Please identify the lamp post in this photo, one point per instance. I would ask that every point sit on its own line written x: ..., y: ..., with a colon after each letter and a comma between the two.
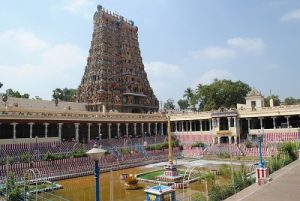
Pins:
x: 260, y: 140
x: 262, y: 173
x: 95, y: 153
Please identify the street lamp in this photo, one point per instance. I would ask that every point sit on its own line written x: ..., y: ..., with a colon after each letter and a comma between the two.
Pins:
x: 260, y: 141
x: 95, y: 153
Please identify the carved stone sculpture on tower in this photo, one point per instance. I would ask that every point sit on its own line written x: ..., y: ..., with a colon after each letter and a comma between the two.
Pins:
x: 114, y: 77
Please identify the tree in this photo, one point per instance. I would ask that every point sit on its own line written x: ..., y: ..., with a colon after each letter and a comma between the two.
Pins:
x: 13, y: 93
x: 169, y: 104
x: 64, y: 94
x: 183, y: 104
x: 16, y: 94
x: 221, y: 93
x: 291, y: 101
x: 275, y: 98
x: 188, y: 93
x: 70, y: 94
x: 58, y: 94
x: 1, y: 85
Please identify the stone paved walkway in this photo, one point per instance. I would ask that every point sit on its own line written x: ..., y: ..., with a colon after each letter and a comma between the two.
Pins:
x: 285, y: 186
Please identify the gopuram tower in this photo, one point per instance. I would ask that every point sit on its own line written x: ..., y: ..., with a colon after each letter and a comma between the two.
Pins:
x: 114, y: 77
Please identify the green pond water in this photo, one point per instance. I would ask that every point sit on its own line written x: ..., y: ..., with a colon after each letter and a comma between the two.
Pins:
x: 82, y: 188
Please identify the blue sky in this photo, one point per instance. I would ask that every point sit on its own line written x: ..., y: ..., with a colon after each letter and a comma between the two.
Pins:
x: 44, y: 44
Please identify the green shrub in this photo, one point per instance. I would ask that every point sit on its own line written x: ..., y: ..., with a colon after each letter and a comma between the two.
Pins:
x: 224, y: 170
x: 125, y: 150
x: 249, y: 144
x: 49, y: 156
x: 198, y: 144
x: 198, y: 197
x: 25, y: 157
x: 224, y: 155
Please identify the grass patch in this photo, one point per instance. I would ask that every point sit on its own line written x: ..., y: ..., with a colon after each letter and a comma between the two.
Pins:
x: 154, y: 174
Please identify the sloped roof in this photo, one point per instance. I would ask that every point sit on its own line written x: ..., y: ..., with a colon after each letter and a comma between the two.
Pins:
x: 254, y: 92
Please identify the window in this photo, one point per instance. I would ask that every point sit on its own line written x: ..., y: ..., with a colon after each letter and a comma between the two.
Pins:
x: 253, y: 105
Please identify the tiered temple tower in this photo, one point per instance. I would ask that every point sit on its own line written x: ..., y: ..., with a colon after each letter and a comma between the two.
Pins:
x: 114, y: 77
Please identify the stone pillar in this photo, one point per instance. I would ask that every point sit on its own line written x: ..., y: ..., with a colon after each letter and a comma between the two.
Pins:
x: 261, y: 122
x: 219, y: 140
x: 155, y: 128
x: 234, y: 121
x: 182, y: 129
x: 200, y: 121
x: 162, y: 128
x: 229, y: 139
x: 30, y: 129
x: 127, y: 130
x: 175, y: 122
x: 134, y: 129
x: 228, y: 121
x: 109, y: 130
x: 89, y: 132
x: 59, y: 130
x: 191, y: 128
x: 186, y: 126
x: 99, y: 130
x: 46, y: 129
x: 210, y: 121
x: 274, y: 122
x: 238, y: 130
x: 14, y: 124
x: 76, y: 131
x: 118, y: 129
x: 142, y: 129
x: 218, y: 123
x: 287, y: 121
x: 249, y: 125
x: 235, y: 140
x: 149, y: 128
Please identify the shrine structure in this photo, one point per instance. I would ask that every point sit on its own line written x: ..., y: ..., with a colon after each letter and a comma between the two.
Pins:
x: 114, y: 78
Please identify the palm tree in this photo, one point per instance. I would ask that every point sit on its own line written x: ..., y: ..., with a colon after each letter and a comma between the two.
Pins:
x: 189, y: 94
x: 198, y: 88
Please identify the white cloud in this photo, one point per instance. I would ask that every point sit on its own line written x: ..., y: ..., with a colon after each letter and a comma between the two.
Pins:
x: 21, y: 39
x: 84, y: 8
x: 160, y: 69
x: 165, y: 79
x: 63, y: 57
x: 254, y: 45
x: 291, y: 16
x: 233, y: 48
x: 214, y: 52
x: 54, y: 66
x: 209, y: 76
